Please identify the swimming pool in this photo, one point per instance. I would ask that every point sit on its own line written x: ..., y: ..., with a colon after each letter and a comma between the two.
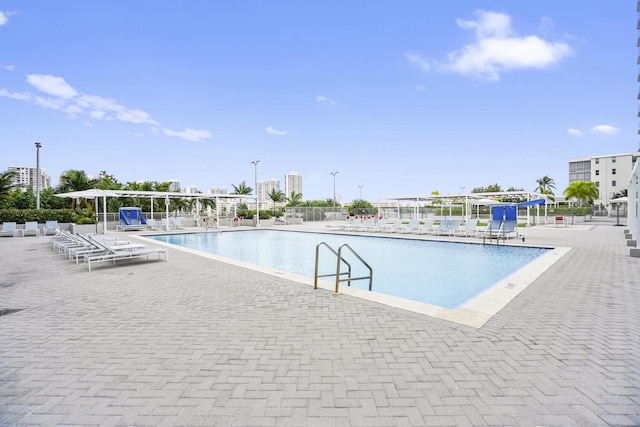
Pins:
x: 444, y: 274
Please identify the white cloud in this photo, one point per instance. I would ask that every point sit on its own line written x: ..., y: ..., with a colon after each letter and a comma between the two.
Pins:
x: 61, y: 96
x: 271, y: 131
x: 574, y: 132
x: 52, y: 85
x: 3, y: 18
x: 417, y: 59
x: 496, y: 49
x: 324, y: 100
x: 8, y: 67
x: 189, y: 134
x: 604, y: 130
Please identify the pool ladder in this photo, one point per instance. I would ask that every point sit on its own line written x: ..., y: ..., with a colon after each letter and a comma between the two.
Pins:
x: 339, y: 261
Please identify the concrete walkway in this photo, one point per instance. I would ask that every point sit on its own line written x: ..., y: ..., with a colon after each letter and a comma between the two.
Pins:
x: 193, y: 341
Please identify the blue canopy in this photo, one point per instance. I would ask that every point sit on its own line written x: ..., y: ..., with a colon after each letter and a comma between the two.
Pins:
x: 532, y: 202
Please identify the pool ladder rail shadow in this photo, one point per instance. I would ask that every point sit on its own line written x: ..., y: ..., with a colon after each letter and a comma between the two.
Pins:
x: 339, y: 262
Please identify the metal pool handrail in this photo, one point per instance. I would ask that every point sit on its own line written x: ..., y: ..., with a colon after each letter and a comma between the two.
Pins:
x: 339, y: 261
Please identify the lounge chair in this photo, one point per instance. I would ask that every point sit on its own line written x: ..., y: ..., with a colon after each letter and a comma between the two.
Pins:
x: 92, y: 248
x: 50, y: 227
x: 31, y: 228
x: 509, y: 228
x: 452, y: 226
x: 493, y: 229
x: 152, y: 224
x: 442, y: 228
x: 409, y: 227
x: 111, y: 254
x: 424, y: 227
x: 469, y: 228
x: 368, y: 225
x: 8, y: 229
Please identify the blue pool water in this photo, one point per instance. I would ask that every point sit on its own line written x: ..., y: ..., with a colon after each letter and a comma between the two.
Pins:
x: 445, y: 274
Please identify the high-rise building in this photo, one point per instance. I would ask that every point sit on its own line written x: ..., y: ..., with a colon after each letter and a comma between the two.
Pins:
x: 265, y: 188
x: 26, y: 176
x: 174, y: 185
x: 292, y: 183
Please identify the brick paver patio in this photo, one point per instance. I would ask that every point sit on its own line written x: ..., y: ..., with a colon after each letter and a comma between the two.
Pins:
x: 193, y: 341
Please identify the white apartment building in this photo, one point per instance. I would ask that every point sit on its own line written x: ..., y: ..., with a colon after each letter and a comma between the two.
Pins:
x: 264, y: 189
x: 174, y: 185
x: 26, y: 176
x: 292, y: 183
x: 191, y: 189
x: 610, y: 173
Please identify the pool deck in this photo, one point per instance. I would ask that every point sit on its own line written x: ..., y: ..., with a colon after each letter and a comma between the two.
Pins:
x: 194, y: 341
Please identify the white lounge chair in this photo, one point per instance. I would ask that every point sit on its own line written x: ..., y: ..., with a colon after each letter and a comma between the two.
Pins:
x: 8, y: 229
x: 111, y: 254
x: 50, y: 227
x: 409, y: 227
x: 469, y: 228
x: 425, y: 227
x: 31, y: 228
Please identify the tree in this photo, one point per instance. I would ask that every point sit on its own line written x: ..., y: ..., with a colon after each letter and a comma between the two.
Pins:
x: 293, y: 199
x: 75, y: 180
x: 6, y: 184
x: 241, y: 188
x: 584, y: 192
x: 546, y: 185
x: 493, y: 188
x: 360, y: 207
x: 276, y: 196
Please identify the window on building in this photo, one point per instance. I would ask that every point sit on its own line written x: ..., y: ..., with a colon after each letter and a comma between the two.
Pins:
x: 597, y: 183
x: 597, y: 172
x: 613, y: 159
x: 597, y: 161
x: 613, y: 183
x: 613, y: 171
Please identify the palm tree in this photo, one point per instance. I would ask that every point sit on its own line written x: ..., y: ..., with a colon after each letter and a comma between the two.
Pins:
x: 241, y: 188
x: 6, y: 182
x: 75, y: 180
x: 276, y: 196
x: 546, y: 185
x: 294, y: 199
x: 584, y: 192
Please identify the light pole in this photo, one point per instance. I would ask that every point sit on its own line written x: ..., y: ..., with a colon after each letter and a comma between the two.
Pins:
x: 360, y: 187
x: 38, y: 145
x: 465, y: 208
x: 334, y: 187
x: 255, y: 167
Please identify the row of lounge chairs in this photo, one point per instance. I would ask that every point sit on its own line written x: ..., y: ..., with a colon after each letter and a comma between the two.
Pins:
x: 446, y: 227
x: 91, y: 248
x: 31, y: 228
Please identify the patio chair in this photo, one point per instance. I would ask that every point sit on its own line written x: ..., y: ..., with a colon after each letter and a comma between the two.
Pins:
x: 409, y: 227
x: 469, y: 228
x: 50, y: 227
x: 31, y: 228
x: 111, y: 254
x: 424, y: 227
x: 8, y: 229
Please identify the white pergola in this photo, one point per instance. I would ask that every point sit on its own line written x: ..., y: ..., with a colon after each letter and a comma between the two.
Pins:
x: 478, y: 199
x: 96, y: 193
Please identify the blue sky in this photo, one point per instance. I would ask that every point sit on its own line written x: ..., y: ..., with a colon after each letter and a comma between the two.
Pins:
x: 402, y: 98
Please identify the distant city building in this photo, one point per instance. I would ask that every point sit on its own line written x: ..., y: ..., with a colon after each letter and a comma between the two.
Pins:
x: 610, y: 173
x: 217, y: 190
x: 26, y: 176
x: 265, y: 188
x: 174, y: 185
x: 191, y: 189
x: 292, y: 183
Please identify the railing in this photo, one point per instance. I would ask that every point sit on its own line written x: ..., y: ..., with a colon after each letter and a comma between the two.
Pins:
x: 339, y: 261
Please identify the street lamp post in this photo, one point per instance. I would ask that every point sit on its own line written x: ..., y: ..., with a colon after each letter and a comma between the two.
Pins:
x: 38, y: 145
x: 360, y: 187
x: 255, y: 167
x: 334, y: 187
